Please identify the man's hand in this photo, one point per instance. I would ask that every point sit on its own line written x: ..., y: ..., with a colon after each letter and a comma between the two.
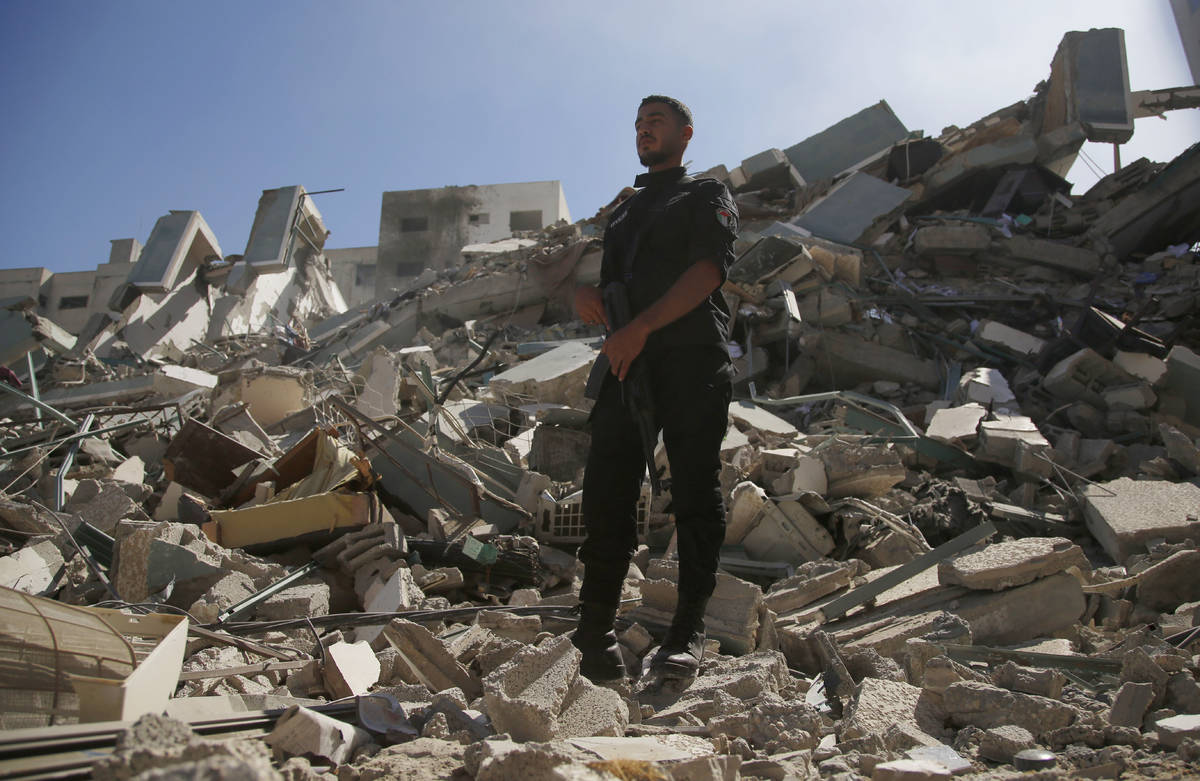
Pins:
x: 589, y: 303
x: 625, y: 345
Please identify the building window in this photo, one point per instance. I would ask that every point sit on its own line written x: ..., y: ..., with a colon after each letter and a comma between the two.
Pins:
x: 73, y: 302
x: 364, y: 275
x: 525, y: 221
x: 42, y: 301
x: 478, y: 219
x: 413, y: 224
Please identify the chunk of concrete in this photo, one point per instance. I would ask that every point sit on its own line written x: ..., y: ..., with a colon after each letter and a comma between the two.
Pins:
x: 1042, y: 252
x: 303, y: 732
x: 732, y: 616
x: 103, y: 505
x: 850, y: 207
x: 351, y: 669
x: 1131, y: 703
x: 1000, y: 744
x: 309, y: 599
x: 32, y: 569
x: 810, y: 583
x: 523, y: 629
x: 1124, y: 514
x: 589, y: 710
x: 847, y: 143
x: 879, y: 704
x: 380, y: 378
x: 786, y: 531
x: 845, y: 360
x: 424, y: 659
x: 746, y: 414
x: 1011, y: 563
x: 525, y: 696
x: 1029, y: 680
x: 1011, y: 340
x: 1171, y: 582
x: 956, y: 425
x: 951, y: 239
x: 1141, y: 365
x: 1173, y: 730
x: 909, y: 770
x: 558, y: 376
x: 985, y: 706
x: 987, y: 387
x: 179, y: 243
x: 864, y: 471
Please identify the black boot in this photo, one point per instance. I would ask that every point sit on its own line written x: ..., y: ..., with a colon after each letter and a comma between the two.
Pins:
x: 596, y: 640
x: 681, y: 651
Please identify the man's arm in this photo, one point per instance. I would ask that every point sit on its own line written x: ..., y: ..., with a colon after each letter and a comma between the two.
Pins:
x: 692, y: 287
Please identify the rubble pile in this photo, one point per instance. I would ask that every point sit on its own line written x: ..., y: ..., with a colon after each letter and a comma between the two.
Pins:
x: 246, y: 533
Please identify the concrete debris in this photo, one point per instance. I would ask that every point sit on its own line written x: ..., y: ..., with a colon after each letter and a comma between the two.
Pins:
x: 960, y: 474
x: 300, y: 731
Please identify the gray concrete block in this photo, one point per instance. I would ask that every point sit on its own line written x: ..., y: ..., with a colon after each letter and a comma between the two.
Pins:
x: 1129, y: 706
x: 1175, y: 729
x: 590, y: 710
x: 525, y: 696
x: 32, y: 569
x: 850, y: 207
x: 1011, y: 563
x: 999, y: 744
x: 879, y: 704
x: 424, y: 659
x: 951, y: 239
x: 984, y: 706
x: 847, y: 143
x: 1029, y: 680
x: 311, y: 599
x: 1124, y: 514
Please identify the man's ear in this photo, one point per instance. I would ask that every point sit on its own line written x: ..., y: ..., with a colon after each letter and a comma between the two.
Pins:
x: 687, y: 132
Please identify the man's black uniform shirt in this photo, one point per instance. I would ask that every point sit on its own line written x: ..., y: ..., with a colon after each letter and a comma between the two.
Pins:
x: 674, y: 221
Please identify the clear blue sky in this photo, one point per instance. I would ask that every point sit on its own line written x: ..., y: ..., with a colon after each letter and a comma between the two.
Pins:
x: 116, y: 112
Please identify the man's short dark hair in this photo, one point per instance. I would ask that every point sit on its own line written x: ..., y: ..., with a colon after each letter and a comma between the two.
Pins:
x: 683, y: 112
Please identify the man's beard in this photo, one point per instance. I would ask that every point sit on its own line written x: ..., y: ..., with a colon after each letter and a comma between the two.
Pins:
x: 650, y: 159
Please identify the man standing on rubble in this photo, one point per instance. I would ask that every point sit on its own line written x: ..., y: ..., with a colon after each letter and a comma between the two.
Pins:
x: 671, y: 243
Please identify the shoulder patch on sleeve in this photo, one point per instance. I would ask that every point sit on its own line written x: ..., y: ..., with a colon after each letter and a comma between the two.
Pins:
x: 726, y: 218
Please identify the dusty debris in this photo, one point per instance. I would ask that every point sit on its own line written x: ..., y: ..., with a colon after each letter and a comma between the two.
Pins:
x: 960, y: 473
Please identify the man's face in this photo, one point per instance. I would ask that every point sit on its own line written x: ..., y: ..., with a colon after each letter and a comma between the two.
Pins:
x: 661, y: 134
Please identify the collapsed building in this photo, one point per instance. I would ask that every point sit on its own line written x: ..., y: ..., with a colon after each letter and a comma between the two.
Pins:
x: 251, y: 531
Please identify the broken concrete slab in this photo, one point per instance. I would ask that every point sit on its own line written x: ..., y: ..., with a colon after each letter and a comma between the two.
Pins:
x: 351, y: 669
x: 1011, y: 563
x: 1124, y: 515
x: 956, y: 425
x: 1171, y: 582
x: 525, y: 696
x: 863, y: 471
x: 984, y: 706
x: 287, y: 229
x: 33, y: 569
x: 750, y: 416
x: 847, y: 142
x: 880, y: 704
x: 951, y: 239
x: 179, y: 243
x: 304, y: 732
x: 556, y: 376
x: 850, y: 207
x: 845, y: 360
x: 424, y: 659
x: 732, y: 616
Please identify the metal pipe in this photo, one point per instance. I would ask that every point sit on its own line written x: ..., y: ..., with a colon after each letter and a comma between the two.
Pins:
x: 33, y: 382
x: 70, y: 459
x: 37, y: 403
